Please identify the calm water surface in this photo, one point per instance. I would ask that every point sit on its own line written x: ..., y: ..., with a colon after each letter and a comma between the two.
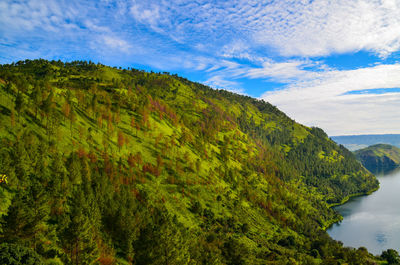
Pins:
x: 372, y: 221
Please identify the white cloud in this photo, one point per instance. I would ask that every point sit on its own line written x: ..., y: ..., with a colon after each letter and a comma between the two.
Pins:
x: 35, y: 15
x: 146, y: 13
x: 324, y: 27
x: 292, y: 28
x: 235, y: 29
x: 238, y: 49
x: 116, y: 43
x: 322, y: 101
x: 290, y: 71
x: 282, y: 71
x: 219, y: 82
x: 94, y: 27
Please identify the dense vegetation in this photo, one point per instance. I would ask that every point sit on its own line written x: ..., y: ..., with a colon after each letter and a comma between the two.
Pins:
x: 115, y: 166
x: 379, y: 157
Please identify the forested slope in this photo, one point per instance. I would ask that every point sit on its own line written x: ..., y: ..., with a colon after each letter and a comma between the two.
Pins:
x: 379, y: 157
x: 119, y: 166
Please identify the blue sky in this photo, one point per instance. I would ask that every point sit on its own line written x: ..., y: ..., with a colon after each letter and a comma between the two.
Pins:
x: 331, y: 64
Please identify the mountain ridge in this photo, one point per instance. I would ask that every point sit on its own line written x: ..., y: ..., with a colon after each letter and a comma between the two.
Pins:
x: 379, y: 157
x: 143, y: 161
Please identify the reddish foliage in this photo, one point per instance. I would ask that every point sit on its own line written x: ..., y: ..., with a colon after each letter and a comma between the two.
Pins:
x: 81, y: 152
x: 106, y: 260
x: 92, y: 157
x: 121, y: 139
x: 150, y: 168
x: 131, y: 160
x: 163, y: 110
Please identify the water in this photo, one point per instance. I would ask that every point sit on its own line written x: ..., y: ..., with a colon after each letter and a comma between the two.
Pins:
x: 372, y: 221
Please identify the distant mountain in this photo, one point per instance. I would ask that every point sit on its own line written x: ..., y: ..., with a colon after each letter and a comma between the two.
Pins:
x: 379, y: 157
x: 355, y: 142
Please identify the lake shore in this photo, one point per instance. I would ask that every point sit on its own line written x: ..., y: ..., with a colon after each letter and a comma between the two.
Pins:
x: 343, y: 201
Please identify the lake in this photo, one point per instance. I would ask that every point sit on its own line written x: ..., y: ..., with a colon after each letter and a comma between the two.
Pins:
x: 372, y: 221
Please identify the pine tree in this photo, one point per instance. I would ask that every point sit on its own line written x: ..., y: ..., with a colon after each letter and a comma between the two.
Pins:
x: 162, y: 241
x: 93, y: 104
x: 18, y: 254
x: 26, y: 218
x: 58, y: 184
x: 120, y: 140
x: 72, y: 118
x: 36, y: 96
x: 19, y: 103
x: 78, y: 236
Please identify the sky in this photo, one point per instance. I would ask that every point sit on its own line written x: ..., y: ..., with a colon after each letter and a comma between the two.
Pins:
x: 334, y: 64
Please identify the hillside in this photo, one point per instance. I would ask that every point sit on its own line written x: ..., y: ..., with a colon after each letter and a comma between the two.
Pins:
x: 379, y: 157
x: 124, y: 166
x: 355, y: 142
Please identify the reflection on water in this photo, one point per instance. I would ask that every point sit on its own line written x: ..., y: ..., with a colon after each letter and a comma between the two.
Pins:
x: 379, y: 172
x: 372, y: 221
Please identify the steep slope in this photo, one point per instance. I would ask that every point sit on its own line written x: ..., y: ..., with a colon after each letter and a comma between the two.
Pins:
x: 119, y: 166
x: 379, y: 157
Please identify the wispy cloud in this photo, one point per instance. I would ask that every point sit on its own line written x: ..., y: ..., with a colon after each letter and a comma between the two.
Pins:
x: 147, y: 13
x: 283, y: 71
x: 327, y: 101
x: 321, y: 28
x: 116, y: 43
x: 218, y: 82
x: 219, y: 29
x: 291, y: 28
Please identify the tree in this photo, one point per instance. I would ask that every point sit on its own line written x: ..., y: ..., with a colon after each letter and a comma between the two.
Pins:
x: 391, y: 256
x: 161, y: 241
x: 19, y: 103
x: 78, y: 235
x: 26, y: 218
x: 74, y: 168
x: 93, y: 104
x: 48, y: 103
x: 120, y: 140
x: 36, y: 96
x: 14, y: 254
x: 234, y: 252
x: 47, y: 108
x: 72, y: 118
x: 58, y: 184
x: 66, y: 109
x: 123, y: 220
x: 133, y: 122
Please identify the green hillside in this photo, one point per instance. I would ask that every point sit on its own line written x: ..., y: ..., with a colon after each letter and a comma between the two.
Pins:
x: 379, y: 156
x: 111, y: 166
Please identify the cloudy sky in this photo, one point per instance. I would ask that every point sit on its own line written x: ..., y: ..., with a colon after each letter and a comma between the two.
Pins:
x: 332, y: 64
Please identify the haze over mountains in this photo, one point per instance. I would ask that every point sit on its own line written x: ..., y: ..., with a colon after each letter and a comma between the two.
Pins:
x: 355, y: 142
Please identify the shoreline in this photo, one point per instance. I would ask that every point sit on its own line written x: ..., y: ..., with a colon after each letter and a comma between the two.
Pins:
x: 343, y: 201
x: 348, y: 197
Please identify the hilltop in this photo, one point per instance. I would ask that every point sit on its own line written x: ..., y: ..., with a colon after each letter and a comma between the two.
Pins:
x: 379, y: 157
x: 119, y: 166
